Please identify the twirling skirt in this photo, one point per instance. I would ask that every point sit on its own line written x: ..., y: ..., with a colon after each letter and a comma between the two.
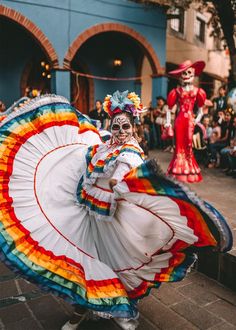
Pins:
x: 53, y: 240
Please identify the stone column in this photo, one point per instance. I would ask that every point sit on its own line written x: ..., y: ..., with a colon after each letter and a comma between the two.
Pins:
x: 60, y: 83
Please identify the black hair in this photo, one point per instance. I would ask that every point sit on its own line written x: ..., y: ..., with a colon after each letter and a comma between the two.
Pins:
x: 161, y: 98
x: 215, y: 118
x: 222, y: 87
x: 205, y: 116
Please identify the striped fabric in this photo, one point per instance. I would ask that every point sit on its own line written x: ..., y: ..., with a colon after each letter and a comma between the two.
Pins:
x: 148, y: 178
x: 111, y: 157
x: 102, y: 202
x: 50, y: 238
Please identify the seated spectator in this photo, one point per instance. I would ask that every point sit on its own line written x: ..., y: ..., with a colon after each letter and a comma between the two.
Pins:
x: 208, y: 128
x: 232, y: 162
x: 215, y: 132
x: 223, y: 141
x: 220, y: 102
x: 225, y: 152
x: 200, y: 142
x: 213, y: 138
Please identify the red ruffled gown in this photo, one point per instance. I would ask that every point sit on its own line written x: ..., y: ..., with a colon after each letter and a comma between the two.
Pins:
x: 183, y: 165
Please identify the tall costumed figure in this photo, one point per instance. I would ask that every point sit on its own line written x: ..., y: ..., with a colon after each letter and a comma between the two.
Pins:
x: 92, y: 221
x: 183, y: 165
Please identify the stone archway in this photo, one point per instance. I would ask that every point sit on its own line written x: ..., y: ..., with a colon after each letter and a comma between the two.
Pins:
x: 38, y: 35
x: 114, y: 27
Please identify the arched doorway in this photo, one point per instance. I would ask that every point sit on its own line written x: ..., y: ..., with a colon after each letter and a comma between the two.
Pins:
x: 26, y: 56
x: 112, y: 51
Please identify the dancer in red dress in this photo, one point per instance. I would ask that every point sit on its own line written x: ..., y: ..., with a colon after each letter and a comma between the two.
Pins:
x: 183, y: 165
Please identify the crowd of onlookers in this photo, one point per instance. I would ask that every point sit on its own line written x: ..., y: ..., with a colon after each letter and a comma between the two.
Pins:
x: 218, y: 141
x: 217, y: 131
x: 214, y: 139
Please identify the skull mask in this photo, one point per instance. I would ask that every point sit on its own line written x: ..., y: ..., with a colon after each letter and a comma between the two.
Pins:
x: 121, y: 129
x: 187, y: 76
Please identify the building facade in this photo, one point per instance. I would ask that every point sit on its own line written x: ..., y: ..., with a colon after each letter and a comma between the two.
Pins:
x: 82, y: 49
x: 189, y: 37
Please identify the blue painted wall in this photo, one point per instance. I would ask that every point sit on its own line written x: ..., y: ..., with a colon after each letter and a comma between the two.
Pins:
x: 63, y: 20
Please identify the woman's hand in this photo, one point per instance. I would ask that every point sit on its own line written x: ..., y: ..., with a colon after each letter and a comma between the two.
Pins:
x: 112, y: 183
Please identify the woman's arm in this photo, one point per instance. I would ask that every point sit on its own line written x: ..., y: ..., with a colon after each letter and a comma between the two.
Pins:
x: 119, y: 173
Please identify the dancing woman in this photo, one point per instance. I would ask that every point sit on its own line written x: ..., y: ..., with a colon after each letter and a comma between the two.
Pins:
x: 91, y: 221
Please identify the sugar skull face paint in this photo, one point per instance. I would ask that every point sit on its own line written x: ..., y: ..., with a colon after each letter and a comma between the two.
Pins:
x: 121, y: 129
x: 187, y: 76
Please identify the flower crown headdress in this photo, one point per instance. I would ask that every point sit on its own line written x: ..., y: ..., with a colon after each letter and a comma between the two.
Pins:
x: 122, y: 102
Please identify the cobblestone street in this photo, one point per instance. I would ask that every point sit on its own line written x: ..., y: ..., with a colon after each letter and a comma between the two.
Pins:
x: 197, y: 302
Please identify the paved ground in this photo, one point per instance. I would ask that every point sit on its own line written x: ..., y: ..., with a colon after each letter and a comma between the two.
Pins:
x: 195, y: 303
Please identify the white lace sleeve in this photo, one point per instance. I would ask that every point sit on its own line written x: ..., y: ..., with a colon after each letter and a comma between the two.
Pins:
x: 132, y: 159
